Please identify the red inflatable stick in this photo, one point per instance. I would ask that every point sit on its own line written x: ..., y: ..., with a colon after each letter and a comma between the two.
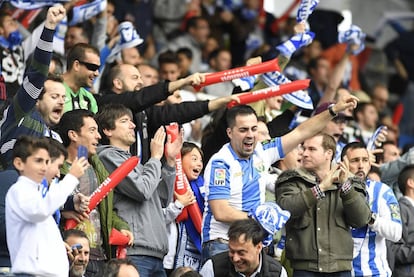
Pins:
x: 121, y: 241
x: 239, y: 72
x: 260, y: 94
x: 181, y: 185
x: 108, y: 185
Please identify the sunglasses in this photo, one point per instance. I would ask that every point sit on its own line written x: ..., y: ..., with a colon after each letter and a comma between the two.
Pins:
x: 90, y: 66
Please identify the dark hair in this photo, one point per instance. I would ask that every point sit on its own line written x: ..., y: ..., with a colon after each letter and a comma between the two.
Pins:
x: 375, y: 170
x: 352, y: 145
x: 72, y: 121
x: 179, y: 271
x: 247, y: 227
x: 380, y: 156
x: 186, y: 52
x: 313, y: 64
x: 111, y: 268
x: 361, y: 108
x: 192, y: 22
x: 215, y: 53
x: 238, y: 110
x: 50, y: 77
x: 405, y: 174
x: 58, y: 64
x: 56, y: 149
x: 77, y: 52
x: 25, y: 146
x: 167, y: 57
x: 3, y: 15
x: 188, y: 147
x: 114, y: 73
x: 74, y: 233
x: 107, y: 116
x: 191, y: 273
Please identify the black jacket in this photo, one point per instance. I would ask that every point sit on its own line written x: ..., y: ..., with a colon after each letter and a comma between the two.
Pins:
x: 148, y: 117
x: 223, y: 266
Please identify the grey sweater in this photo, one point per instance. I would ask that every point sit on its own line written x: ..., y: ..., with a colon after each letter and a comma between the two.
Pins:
x: 139, y: 200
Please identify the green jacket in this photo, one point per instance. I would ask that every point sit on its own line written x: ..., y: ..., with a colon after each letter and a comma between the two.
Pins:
x: 109, y: 218
x: 318, y: 233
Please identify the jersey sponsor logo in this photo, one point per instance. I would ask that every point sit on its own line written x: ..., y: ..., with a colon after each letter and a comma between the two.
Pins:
x: 219, y: 177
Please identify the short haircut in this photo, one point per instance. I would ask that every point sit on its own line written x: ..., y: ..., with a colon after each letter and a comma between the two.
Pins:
x: 352, y: 145
x: 26, y: 146
x: 360, y: 108
x: 249, y: 227
x: 186, y: 52
x: 405, y: 174
x: 236, y: 111
x: 3, y: 15
x: 74, y: 233
x: 56, y: 149
x: 72, y: 120
x: 114, y: 73
x: 192, y: 22
x: 179, y: 271
x: 328, y: 143
x: 313, y: 64
x: 50, y: 77
x: 215, y: 53
x: 107, y: 116
x: 111, y: 268
x: 167, y: 57
x: 77, y: 52
x: 380, y: 156
x: 191, y: 273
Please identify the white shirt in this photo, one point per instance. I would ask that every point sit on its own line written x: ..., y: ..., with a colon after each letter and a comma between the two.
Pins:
x: 33, y: 238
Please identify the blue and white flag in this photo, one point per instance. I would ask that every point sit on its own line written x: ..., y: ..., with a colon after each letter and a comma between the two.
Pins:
x: 87, y: 11
x: 34, y: 4
x: 299, y: 98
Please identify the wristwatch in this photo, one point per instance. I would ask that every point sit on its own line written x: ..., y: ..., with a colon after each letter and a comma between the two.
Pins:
x: 331, y: 111
x: 372, y: 219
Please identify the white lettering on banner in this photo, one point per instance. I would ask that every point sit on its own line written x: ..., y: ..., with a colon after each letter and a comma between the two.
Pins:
x: 179, y: 174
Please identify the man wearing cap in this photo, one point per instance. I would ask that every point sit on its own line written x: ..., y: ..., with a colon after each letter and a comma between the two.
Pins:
x: 324, y: 203
x: 335, y: 127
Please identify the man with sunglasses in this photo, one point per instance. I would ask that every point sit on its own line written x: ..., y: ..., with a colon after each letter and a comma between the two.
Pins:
x: 83, y: 62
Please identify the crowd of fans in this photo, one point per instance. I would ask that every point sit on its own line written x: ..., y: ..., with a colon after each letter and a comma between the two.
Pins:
x: 97, y: 83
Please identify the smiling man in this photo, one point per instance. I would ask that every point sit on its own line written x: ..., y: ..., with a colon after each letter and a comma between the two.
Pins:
x: 83, y: 64
x: 245, y: 256
x: 80, y: 260
x: 142, y: 195
x: 234, y: 177
x: 78, y: 127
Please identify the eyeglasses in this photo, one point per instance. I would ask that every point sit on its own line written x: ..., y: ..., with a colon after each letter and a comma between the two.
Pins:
x: 90, y: 66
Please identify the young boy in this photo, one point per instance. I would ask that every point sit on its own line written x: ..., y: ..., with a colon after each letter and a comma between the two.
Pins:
x: 35, y: 244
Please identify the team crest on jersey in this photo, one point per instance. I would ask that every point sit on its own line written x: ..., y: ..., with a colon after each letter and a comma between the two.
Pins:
x: 219, y: 177
x: 260, y: 167
x: 395, y: 211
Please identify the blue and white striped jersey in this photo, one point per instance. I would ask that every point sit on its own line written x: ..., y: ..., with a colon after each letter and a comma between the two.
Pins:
x: 370, y: 251
x: 237, y: 180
